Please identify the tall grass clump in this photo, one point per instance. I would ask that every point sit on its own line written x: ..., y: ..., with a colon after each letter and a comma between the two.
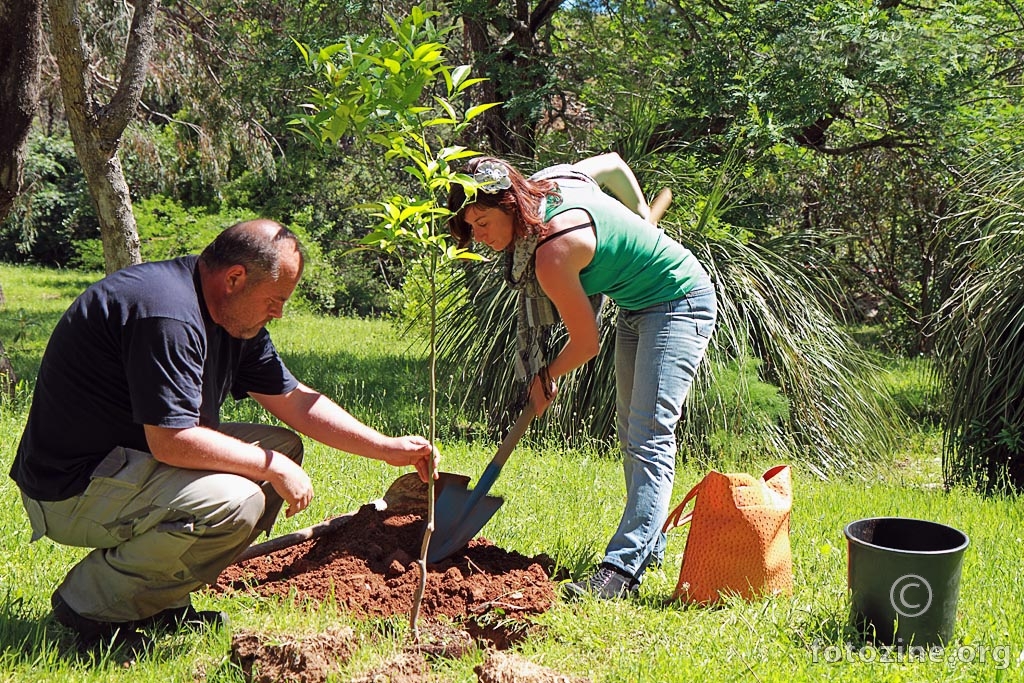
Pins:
x: 980, y: 339
x: 774, y: 328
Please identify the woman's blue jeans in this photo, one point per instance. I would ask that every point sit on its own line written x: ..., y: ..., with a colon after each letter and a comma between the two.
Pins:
x: 657, y: 351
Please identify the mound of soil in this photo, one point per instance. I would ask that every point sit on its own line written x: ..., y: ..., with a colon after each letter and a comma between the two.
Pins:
x: 368, y: 567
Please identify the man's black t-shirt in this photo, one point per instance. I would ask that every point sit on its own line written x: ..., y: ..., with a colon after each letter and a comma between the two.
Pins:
x: 136, y: 348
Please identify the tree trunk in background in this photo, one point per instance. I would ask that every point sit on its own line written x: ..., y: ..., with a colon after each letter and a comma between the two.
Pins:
x: 96, y: 129
x: 8, y: 379
x: 506, y: 47
x: 21, y: 26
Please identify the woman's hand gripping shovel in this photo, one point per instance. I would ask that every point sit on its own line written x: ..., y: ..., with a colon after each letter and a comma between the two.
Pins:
x: 459, y: 514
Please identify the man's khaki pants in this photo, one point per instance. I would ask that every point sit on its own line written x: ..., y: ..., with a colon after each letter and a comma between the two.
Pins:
x: 159, y: 532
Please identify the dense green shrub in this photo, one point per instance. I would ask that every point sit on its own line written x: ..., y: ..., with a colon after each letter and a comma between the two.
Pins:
x: 980, y: 351
x: 54, y: 211
x: 168, y: 229
x: 746, y: 417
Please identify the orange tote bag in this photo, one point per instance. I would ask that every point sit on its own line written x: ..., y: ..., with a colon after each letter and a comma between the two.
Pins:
x: 739, y: 537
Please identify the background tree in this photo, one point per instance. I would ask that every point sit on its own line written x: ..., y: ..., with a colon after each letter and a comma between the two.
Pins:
x: 97, y: 128
x: 858, y: 116
x: 21, y: 24
x: 508, y: 42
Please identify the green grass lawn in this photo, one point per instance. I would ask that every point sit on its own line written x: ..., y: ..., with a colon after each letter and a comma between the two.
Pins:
x: 558, y: 501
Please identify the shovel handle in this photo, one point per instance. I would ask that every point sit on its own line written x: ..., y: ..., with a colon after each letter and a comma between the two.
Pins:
x: 508, y: 444
x: 294, y: 538
x: 659, y: 205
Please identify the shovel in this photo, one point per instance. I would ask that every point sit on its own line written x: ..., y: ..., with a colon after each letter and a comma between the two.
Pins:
x: 459, y: 513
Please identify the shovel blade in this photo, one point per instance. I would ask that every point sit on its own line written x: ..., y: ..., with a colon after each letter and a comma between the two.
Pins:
x: 448, y: 479
x: 458, y: 519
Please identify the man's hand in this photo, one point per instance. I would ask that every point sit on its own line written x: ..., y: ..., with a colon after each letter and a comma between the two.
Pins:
x: 290, y: 482
x: 402, y: 451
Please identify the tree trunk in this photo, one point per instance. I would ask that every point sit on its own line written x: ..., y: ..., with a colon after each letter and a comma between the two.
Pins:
x: 8, y: 380
x: 21, y: 25
x: 518, y: 51
x: 97, y: 129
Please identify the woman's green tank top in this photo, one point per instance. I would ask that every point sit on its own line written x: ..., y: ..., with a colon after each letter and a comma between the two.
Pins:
x: 636, y: 264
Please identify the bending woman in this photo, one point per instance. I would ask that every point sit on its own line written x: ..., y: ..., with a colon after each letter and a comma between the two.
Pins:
x: 566, y: 241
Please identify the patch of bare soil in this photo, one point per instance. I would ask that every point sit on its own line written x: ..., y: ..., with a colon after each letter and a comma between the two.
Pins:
x: 315, y: 658
x: 508, y: 667
x: 368, y: 567
x: 404, y: 667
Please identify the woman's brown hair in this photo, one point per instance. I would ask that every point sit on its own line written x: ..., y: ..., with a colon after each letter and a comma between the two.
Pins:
x: 521, y: 201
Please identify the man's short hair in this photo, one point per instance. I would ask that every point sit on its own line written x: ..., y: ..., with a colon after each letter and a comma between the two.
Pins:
x: 253, y: 244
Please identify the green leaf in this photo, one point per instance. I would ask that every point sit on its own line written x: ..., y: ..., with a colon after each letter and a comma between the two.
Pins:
x: 444, y: 104
x: 473, y: 112
x: 469, y: 83
x: 440, y: 122
x: 429, y: 53
x: 459, y: 74
x: 454, y: 153
x: 303, y: 50
x: 455, y: 253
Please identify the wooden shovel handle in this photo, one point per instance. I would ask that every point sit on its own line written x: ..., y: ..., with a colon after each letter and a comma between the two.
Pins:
x: 508, y: 444
x: 294, y: 538
x: 659, y: 205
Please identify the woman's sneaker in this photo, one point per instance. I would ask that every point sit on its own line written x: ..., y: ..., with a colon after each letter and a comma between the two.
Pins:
x: 606, y: 583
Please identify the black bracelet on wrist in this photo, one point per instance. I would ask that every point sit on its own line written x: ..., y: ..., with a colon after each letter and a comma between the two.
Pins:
x: 545, y: 381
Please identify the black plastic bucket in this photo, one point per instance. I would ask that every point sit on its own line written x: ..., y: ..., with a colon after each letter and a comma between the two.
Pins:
x: 904, y: 579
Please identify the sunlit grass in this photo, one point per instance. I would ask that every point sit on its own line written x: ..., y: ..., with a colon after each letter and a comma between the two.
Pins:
x: 558, y: 501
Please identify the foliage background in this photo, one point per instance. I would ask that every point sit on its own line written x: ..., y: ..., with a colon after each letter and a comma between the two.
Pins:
x: 836, y: 145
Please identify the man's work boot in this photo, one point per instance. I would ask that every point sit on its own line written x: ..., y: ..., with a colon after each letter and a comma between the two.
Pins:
x: 185, y: 618
x: 90, y: 633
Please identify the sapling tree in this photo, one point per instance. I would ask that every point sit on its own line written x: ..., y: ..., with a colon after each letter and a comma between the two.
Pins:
x: 399, y: 92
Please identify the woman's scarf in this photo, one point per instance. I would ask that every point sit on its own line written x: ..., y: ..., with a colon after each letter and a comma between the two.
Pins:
x: 536, y: 315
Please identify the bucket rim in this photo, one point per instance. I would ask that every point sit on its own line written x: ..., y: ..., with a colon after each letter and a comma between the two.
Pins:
x: 947, y: 551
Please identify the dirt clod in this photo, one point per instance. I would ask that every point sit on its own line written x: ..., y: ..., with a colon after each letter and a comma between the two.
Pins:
x: 508, y: 667
x: 404, y: 667
x: 281, y: 659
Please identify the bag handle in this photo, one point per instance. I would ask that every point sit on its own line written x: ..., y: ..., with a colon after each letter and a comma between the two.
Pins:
x: 676, y: 517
